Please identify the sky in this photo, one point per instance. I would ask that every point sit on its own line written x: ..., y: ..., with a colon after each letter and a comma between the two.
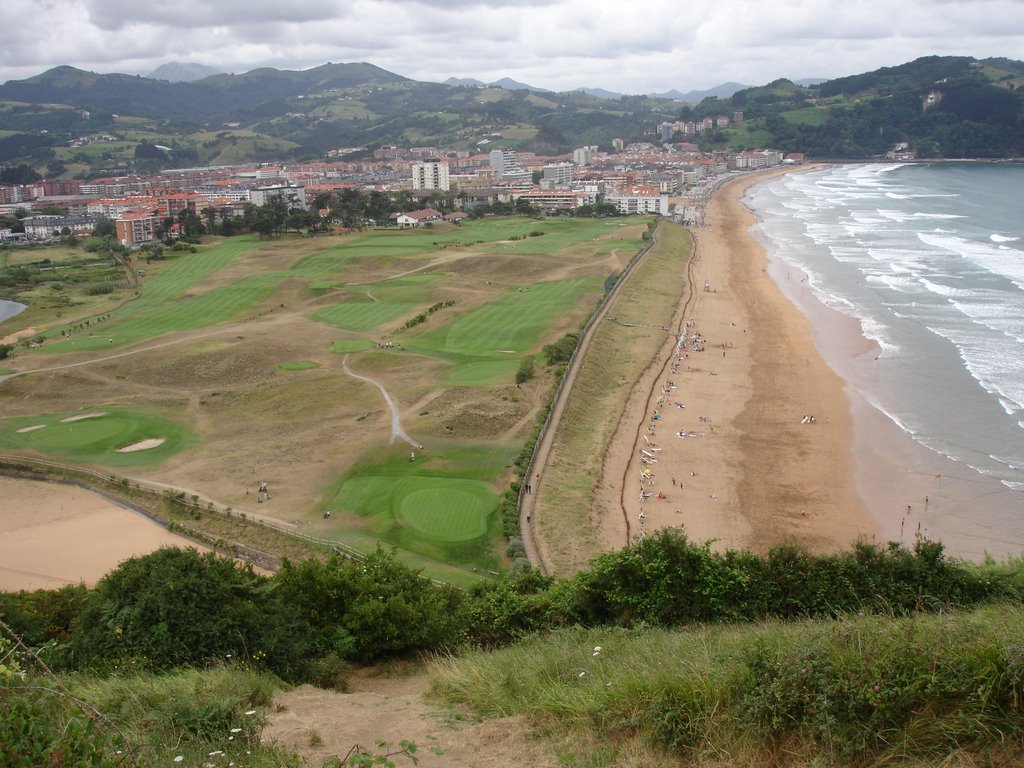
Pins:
x: 647, y: 46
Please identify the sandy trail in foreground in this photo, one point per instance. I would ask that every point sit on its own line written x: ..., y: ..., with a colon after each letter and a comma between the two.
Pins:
x: 757, y: 476
x: 52, y: 534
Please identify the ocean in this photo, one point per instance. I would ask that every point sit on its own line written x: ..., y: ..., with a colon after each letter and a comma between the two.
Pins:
x: 928, y: 260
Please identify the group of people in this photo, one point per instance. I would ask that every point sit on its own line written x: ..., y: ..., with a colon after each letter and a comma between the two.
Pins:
x: 808, y: 419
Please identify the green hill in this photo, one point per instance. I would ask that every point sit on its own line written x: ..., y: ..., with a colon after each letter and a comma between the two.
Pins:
x: 951, y: 106
x: 939, y: 106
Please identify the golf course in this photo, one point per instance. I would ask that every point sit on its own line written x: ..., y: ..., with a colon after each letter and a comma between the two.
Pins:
x: 368, y: 378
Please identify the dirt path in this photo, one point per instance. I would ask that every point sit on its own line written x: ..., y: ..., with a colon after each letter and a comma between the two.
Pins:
x: 318, y: 724
x: 396, y: 421
x: 544, y: 444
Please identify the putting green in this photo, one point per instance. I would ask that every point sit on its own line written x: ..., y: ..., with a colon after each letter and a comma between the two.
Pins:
x: 438, y: 509
x: 444, y: 514
x: 98, y: 436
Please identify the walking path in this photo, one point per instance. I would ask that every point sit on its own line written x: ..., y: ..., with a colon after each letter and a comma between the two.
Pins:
x: 546, y: 439
x: 396, y: 423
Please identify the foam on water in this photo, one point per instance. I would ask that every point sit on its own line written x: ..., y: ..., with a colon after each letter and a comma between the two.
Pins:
x: 924, y: 258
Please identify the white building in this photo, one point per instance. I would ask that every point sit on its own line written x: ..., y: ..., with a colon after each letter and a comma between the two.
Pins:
x: 295, y: 197
x: 431, y: 174
x: 558, y: 174
x: 639, y: 203
x: 583, y: 155
x: 507, y: 165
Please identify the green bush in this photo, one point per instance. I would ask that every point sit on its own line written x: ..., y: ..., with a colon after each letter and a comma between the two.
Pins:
x: 561, y: 351
x: 174, y: 607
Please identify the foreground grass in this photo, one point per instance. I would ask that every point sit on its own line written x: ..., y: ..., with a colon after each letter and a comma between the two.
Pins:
x: 186, y: 718
x: 924, y: 690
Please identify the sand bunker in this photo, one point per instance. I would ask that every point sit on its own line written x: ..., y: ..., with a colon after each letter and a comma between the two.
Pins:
x: 143, y: 445
x: 53, y: 534
x: 93, y: 415
x: 32, y: 428
x: 14, y: 338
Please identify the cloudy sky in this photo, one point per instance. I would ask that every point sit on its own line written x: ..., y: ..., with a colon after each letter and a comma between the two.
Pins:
x: 641, y: 46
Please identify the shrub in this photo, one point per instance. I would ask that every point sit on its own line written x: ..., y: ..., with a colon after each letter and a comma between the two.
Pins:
x: 561, y: 351
x: 525, y: 372
x: 173, y: 607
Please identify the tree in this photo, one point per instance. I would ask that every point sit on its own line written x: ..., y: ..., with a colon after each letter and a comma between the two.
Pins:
x: 104, y: 228
x: 525, y: 372
x: 172, y: 607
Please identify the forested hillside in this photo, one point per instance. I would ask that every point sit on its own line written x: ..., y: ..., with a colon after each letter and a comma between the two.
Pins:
x: 938, y: 107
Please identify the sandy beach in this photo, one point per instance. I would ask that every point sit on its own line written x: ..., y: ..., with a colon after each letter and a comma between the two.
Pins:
x: 749, y: 469
x: 52, y: 534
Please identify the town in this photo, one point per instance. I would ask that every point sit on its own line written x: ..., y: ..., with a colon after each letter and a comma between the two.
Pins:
x: 421, y: 184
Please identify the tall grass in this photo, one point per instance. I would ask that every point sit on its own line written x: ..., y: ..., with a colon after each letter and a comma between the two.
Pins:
x: 924, y: 689
x: 213, y: 716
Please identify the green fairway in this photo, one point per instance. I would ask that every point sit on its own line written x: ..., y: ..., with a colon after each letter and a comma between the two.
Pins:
x: 345, y: 346
x: 299, y: 365
x: 363, y: 315
x: 511, y: 324
x: 166, y: 304
x: 482, y: 372
x: 97, y: 436
x: 440, y: 507
x: 366, y: 307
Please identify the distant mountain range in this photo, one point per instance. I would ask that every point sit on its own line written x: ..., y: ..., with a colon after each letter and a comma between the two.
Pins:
x: 939, y: 106
x: 182, y: 72
x: 723, y: 91
x: 506, y: 82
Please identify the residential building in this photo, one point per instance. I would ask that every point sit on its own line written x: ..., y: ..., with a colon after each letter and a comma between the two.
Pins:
x: 431, y: 174
x: 136, y: 227
x: 558, y: 174
x: 639, y: 201
x: 45, y: 227
x: 507, y: 166
x: 583, y: 155
x: 294, y: 196
x: 418, y: 218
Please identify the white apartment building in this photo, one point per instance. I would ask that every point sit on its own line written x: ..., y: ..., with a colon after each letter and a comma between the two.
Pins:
x: 558, y: 174
x: 295, y: 197
x: 507, y: 165
x: 431, y: 174
x: 638, y: 203
x: 583, y: 155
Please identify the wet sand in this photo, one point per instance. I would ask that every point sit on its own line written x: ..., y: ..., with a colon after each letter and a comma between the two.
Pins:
x: 53, y: 534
